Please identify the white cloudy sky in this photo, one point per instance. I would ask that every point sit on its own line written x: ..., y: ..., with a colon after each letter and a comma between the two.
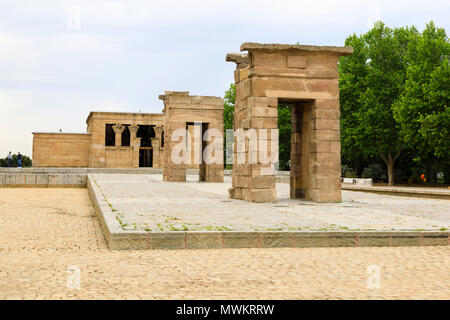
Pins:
x: 56, y: 66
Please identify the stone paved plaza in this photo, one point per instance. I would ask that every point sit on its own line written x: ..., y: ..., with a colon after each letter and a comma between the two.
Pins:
x: 45, y: 231
x: 144, y: 202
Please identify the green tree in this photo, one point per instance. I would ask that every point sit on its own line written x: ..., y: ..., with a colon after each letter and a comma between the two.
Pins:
x: 352, y: 83
x: 372, y: 82
x: 423, y: 110
x: 228, y: 107
x: 229, y: 101
x: 284, y: 136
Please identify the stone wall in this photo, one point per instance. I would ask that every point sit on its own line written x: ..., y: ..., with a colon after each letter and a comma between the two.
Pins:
x: 61, y: 149
x: 119, y: 157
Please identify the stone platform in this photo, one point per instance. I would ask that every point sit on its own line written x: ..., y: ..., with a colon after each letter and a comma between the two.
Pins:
x: 139, y: 211
x: 431, y: 193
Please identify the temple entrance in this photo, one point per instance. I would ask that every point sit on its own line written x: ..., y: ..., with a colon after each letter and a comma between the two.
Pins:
x: 145, y: 133
x: 300, y: 140
x: 196, y: 146
x: 146, y: 157
x: 196, y: 114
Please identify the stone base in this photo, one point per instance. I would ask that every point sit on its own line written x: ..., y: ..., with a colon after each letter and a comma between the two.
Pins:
x: 323, y: 195
x: 213, y: 179
x: 253, y: 195
x: 174, y: 178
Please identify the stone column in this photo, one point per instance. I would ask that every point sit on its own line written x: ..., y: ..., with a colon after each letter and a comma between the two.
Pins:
x: 156, y: 144
x: 256, y: 117
x: 118, y: 129
x: 213, y: 172
x: 324, y: 151
x: 172, y: 171
x: 159, y: 158
x: 135, y: 144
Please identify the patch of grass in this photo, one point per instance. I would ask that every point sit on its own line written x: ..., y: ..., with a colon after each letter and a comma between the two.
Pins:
x: 273, y: 229
x: 223, y: 229
x: 122, y: 225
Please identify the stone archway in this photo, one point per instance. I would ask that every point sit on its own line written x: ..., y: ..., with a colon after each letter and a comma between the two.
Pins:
x: 181, y: 110
x: 306, y: 78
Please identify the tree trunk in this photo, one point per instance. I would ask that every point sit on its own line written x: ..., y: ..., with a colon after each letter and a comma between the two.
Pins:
x: 355, y: 167
x: 390, y: 167
x: 389, y: 160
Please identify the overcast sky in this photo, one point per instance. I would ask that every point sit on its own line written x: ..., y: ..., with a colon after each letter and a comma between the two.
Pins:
x: 61, y: 59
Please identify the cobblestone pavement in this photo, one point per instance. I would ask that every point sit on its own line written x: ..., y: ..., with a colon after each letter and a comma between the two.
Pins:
x: 43, y: 232
x: 144, y: 202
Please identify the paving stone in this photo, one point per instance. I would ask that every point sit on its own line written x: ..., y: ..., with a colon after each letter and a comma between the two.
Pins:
x: 45, y: 231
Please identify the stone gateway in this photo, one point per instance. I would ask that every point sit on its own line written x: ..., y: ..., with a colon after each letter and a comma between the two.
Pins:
x: 306, y: 79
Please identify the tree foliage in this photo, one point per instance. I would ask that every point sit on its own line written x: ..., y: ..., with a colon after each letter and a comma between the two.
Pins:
x: 423, y: 110
x: 228, y: 107
x: 228, y: 119
x: 372, y: 86
x: 284, y: 136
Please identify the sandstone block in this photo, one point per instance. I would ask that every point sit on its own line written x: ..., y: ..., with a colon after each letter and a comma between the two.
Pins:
x: 259, y: 195
x: 325, y: 124
x: 325, y: 135
x: 332, y: 104
x: 30, y: 178
x: 296, y: 62
x: 323, y: 195
x: 320, y: 146
x: 263, y: 182
x: 262, y: 112
x: 42, y: 179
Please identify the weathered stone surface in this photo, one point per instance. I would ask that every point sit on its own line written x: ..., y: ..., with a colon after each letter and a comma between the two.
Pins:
x: 41, y: 179
x: 250, y: 46
x: 296, y: 62
x: 259, y: 195
x: 61, y: 149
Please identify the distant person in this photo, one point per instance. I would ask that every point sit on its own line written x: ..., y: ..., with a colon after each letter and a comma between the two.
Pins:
x: 423, y: 178
x: 10, y: 159
x: 19, y: 160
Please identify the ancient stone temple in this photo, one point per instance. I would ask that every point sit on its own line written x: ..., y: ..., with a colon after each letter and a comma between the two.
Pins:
x: 306, y: 79
x: 202, y: 117
x: 113, y: 140
x: 133, y: 140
